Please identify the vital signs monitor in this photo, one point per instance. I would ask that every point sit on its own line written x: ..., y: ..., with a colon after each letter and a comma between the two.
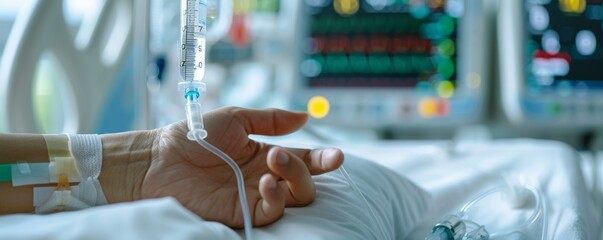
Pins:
x: 551, y: 59
x: 373, y: 63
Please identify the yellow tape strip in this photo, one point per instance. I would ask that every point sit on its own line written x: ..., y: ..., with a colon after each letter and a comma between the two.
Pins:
x: 58, y: 145
x: 61, y: 161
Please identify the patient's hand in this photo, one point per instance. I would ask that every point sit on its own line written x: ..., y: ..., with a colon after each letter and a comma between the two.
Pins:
x: 275, y: 177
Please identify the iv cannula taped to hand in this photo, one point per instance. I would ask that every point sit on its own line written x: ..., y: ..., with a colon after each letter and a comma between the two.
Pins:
x: 192, y: 70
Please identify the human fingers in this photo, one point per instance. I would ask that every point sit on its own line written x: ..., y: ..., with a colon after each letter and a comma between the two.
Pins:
x: 321, y: 160
x: 272, y: 204
x: 298, y: 185
x: 270, y: 121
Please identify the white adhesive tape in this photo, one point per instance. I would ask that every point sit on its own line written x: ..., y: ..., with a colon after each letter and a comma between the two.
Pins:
x: 30, y: 174
x: 47, y: 200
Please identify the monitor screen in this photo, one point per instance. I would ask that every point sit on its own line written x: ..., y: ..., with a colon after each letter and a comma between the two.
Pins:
x: 564, y: 49
x: 381, y: 44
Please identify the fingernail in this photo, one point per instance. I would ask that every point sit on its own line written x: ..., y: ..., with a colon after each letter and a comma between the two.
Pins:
x: 282, y: 158
x: 330, y: 152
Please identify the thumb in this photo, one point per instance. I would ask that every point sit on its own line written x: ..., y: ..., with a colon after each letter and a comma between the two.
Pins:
x: 271, y: 122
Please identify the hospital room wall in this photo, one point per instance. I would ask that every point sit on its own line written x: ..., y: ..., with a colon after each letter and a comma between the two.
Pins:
x: 122, y: 108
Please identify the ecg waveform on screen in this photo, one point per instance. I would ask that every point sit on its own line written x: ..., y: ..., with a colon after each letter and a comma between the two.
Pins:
x: 369, y: 45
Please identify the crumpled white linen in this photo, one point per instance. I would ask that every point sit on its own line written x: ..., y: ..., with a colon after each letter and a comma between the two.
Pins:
x: 455, y: 175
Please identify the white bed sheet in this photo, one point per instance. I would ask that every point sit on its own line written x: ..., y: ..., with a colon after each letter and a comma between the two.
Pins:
x: 454, y: 177
x: 449, y: 180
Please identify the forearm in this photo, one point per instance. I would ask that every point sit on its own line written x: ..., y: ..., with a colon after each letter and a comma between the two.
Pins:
x: 15, y: 148
x: 126, y: 157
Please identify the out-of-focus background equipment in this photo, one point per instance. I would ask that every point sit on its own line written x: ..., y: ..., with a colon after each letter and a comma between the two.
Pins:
x: 394, y: 64
x: 550, y: 55
x: 402, y: 68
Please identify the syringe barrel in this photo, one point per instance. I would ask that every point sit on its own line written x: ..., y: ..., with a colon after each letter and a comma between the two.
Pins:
x: 193, y: 23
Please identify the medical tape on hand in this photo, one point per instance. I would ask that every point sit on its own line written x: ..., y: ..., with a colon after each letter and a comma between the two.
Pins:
x: 88, y: 152
x: 60, y: 160
x: 61, y: 198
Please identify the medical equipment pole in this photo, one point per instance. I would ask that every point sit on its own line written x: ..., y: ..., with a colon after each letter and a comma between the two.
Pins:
x: 192, y: 69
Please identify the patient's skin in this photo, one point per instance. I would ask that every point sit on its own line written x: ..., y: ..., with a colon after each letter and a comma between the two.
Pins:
x: 162, y: 162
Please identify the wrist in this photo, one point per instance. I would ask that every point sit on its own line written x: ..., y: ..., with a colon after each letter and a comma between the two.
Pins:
x: 126, y: 160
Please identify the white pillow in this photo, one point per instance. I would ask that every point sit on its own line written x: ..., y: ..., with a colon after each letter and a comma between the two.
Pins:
x: 339, y: 213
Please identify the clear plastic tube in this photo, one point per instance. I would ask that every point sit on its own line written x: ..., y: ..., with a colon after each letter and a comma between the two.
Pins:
x: 240, y: 182
x: 477, y: 231
x: 540, y: 209
x: 198, y: 133
x: 366, y: 203
x: 310, y: 130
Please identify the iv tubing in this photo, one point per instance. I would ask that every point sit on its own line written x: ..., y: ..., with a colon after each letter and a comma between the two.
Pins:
x: 540, y: 208
x: 357, y: 190
x: 240, y: 182
x: 198, y: 133
x: 347, y: 177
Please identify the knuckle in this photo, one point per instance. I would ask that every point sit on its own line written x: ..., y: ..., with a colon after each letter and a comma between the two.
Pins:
x: 232, y: 109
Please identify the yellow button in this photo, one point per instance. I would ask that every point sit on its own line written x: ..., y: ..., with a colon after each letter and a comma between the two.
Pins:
x: 428, y: 108
x: 572, y: 6
x: 318, y: 107
x: 346, y: 7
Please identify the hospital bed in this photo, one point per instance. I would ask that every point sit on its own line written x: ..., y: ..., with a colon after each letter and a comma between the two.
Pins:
x: 410, y: 185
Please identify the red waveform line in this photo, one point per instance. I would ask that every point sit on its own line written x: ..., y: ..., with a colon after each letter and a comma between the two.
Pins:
x: 545, y: 55
x: 372, y: 44
x: 359, y: 44
x: 338, y: 44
